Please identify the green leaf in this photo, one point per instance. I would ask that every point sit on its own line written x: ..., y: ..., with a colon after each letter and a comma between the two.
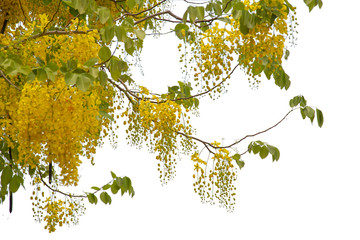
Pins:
x: 104, y: 53
x: 53, y: 66
x: 92, y: 198
x: 239, y: 6
x: 192, y: 13
x: 94, y: 72
x: 243, y: 28
x: 6, y: 176
x: 295, y: 101
x: 186, y: 13
x: 310, y: 113
x: 129, y: 46
x: 91, y: 62
x: 196, y: 101
x: 139, y: 34
x: 114, y: 187
x: 26, y: 70
x: 70, y: 78
x: 128, y: 24
x: 319, y: 117
x: 180, y: 29
x: 303, y: 102
x: 103, y: 78
x: 126, y: 183
x: 119, y: 181
x: 105, y: 198
x: 131, y: 191
x: 47, y: 2
x: 264, y: 152
x: 106, y: 186
x: 104, y: 14
x: 303, y: 114
x: 274, y: 152
x: 40, y: 61
x: 95, y: 188
x: 240, y: 163
x: 287, y: 53
x: 113, y: 175
x: 200, y: 13
x: 120, y: 33
x: 320, y: 3
x: 217, y: 8
x: 236, y: 156
x: 256, y: 148
x: 83, y: 83
x: 15, y: 183
x: 131, y: 4
x: 80, y: 5
x: 50, y: 74
x: 257, y: 68
x: 41, y: 74
x: 225, y: 20
x: 71, y: 64
x: 106, y: 115
x: 107, y: 33
x: 31, y: 171
x: 117, y: 67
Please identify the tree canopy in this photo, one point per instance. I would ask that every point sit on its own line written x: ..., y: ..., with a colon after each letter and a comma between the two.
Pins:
x: 67, y: 86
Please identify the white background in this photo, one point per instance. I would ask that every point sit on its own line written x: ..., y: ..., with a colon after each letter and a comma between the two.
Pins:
x: 311, y: 193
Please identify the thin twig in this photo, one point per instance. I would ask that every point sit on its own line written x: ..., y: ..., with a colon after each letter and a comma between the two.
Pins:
x: 255, y: 134
x: 57, y: 9
x: 125, y: 91
x: 8, y: 80
x: 53, y: 32
x: 23, y: 12
x: 58, y: 191
x: 207, y: 144
x: 138, y: 13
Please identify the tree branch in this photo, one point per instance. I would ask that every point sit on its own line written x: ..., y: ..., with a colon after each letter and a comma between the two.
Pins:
x: 58, y: 191
x: 53, y: 32
x: 63, y: 193
x: 207, y: 144
x: 57, y: 9
x: 138, y: 13
x: 8, y: 80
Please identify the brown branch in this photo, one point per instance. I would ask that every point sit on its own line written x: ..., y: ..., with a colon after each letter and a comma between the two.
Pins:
x: 255, y: 134
x: 3, y: 28
x: 200, y: 3
x: 58, y: 191
x: 125, y: 91
x: 138, y: 13
x: 53, y: 32
x: 132, y: 93
x: 8, y: 80
x: 207, y: 144
x: 211, y: 89
x: 66, y: 194
x: 57, y: 10
x: 23, y: 12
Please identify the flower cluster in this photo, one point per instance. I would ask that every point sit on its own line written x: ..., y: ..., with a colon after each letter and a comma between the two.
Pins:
x: 214, y: 50
x: 158, y: 124
x: 216, y: 181
x: 57, y: 123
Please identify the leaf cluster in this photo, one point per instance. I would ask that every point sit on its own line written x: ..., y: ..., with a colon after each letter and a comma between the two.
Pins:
x: 122, y: 184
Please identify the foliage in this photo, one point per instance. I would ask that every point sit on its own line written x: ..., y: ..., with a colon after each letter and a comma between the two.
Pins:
x: 65, y: 82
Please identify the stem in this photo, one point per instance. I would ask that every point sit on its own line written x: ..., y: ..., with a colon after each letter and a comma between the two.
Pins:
x: 4, y: 24
x: 10, y: 193
x: 8, y: 80
x: 207, y: 144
